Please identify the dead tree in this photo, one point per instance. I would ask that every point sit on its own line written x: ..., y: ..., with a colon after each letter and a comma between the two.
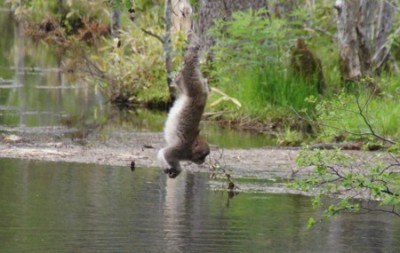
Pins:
x: 364, y: 27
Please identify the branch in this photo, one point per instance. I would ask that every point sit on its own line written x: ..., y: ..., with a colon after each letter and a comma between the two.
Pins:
x: 153, y: 35
x: 387, y: 168
x: 93, y: 66
x: 366, y: 121
x: 370, y: 210
x: 336, y: 171
x: 327, y: 125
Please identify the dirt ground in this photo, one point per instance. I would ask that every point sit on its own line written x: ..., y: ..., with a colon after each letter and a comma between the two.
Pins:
x: 142, y: 148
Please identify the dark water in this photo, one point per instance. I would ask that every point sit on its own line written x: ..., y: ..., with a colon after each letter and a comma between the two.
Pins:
x: 62, y: 207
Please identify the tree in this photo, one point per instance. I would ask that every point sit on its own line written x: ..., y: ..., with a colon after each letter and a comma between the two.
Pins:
x: 115, y: 21
x: 364, y: 27
x: 181, y: 16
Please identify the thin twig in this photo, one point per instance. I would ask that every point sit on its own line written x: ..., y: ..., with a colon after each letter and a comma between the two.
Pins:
x: 153, y: 35
x: 366, y: 121
x: 335, y: 171
x: 327, y: 125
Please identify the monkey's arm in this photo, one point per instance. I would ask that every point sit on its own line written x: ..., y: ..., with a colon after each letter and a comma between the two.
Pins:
x: 190, y: 80
x: 169, y: 158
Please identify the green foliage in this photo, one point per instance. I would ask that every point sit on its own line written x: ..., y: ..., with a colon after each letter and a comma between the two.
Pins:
x: 137, y: 67
x: 121, y: 3
x: 355, y: 183
x: 340, y: 116
x: 242, y: 40
x: 289, y: 137
x: 251, y: 62
x: 133, y: 68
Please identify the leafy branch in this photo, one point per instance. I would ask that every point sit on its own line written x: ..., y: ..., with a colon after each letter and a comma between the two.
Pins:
x: 328, y: 115
x: 217, y: 169
x: 350, y: 181
x: 362, y: 112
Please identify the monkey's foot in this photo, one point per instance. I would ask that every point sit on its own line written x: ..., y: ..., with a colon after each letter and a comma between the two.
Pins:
x: 172, y: 172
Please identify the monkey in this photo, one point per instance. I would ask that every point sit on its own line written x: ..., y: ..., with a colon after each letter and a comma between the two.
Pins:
x: 181, y: 131
x: 306, y: 64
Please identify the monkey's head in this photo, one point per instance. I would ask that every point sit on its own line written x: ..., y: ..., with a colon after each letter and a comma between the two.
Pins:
x: 200, y: 150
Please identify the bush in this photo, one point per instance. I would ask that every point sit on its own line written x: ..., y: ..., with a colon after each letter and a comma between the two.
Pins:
x: 251, y: 63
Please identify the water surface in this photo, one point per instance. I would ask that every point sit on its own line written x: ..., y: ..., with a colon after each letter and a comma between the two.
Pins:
x: 63, y: 207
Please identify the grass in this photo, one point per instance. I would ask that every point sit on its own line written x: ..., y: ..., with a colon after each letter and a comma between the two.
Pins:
x: 340, y: 116
x: 268, y: 91
x: 268, y: 94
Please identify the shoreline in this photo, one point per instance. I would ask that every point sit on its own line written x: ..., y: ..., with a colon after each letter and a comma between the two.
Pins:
x: 142, y: 148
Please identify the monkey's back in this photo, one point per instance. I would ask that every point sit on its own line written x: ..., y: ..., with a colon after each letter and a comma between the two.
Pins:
x: 182, y: 125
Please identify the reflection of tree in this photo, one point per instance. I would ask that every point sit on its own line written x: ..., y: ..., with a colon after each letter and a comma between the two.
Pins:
x: 40, y: 93
x: 19, y: 71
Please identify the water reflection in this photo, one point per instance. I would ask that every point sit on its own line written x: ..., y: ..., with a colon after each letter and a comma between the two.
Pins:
x: 61, y: 207
x: 34, y: 92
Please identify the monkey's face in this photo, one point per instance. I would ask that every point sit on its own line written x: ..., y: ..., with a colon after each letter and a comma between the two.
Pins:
x: 200, y: 150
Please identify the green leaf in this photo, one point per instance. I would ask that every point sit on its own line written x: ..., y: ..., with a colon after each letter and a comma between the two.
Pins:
x: 311, y: 222
x: 391, y: 200
x: 316, y: 201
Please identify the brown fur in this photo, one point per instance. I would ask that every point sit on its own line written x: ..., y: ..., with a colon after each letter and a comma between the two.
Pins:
x: 182, y: 126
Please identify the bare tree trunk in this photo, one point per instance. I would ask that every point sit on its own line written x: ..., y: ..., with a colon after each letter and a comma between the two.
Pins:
x: 168, y: 48
x: 363, y: 31
x: 115, y: 21
x: 61, y: 8
x: 181, y: 16
x: 386, y: 18
x: 20, y: 71
x: 347, y: 39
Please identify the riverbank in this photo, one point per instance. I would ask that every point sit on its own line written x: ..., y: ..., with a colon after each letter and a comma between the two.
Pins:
x: 266, y: 170
x: 142, y: 148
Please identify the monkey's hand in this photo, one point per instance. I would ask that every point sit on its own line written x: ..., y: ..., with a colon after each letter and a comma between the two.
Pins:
x: 172, y: 172
x: 171, y: 167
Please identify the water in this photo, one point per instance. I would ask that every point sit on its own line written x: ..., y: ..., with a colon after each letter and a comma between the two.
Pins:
x: 62, y: 207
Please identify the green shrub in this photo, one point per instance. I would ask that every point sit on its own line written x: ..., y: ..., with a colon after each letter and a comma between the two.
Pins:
x: 251, y: 63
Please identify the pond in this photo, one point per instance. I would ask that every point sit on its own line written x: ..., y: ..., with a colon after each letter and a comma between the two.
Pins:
x: 63, y: 207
